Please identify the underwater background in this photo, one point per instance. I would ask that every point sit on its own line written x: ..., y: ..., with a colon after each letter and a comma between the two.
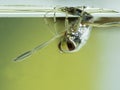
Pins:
x: 95, y: 67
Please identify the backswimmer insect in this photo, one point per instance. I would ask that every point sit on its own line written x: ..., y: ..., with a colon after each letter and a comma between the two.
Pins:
x: 77, y: 30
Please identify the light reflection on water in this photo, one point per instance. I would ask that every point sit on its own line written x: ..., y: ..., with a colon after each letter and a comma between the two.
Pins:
x: 50, y: 69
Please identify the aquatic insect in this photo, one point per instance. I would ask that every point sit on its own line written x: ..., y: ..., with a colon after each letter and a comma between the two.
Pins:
x: 77, y: 29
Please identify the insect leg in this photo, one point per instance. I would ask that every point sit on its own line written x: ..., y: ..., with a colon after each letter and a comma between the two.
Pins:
x: 55, y: 22
x: 66, y: 22
x: 34, y: 50
x: 46, y: 22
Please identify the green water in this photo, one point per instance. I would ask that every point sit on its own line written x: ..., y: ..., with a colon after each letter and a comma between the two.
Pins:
x: 49, y: 69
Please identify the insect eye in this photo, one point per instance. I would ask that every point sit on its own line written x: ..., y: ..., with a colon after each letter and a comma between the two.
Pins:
x: 70, y: 45
x: 66, y: 46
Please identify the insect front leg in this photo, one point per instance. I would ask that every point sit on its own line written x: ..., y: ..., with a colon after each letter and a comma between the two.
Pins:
x: 55, y: 21
x: 66, y: 22
x: 53, y: 31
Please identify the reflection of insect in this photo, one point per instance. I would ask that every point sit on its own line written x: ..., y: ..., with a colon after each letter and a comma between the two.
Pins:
x: 77, y: 29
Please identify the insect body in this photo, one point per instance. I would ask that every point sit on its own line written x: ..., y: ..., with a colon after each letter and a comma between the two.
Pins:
x: 77, y: 30
x: 77, y: 34
x: 72, y: 42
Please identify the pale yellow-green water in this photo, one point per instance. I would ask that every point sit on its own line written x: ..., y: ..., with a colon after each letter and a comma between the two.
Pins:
x: 88, y: 69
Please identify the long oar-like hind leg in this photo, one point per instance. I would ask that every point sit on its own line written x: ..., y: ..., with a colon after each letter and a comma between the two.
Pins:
x: 36, y: 49
x: 39, y: 47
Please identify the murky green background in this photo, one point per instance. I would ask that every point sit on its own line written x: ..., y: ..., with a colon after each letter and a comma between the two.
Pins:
x: 95, y: 66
